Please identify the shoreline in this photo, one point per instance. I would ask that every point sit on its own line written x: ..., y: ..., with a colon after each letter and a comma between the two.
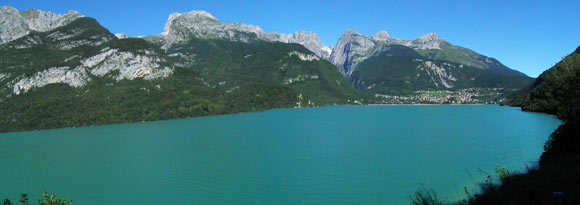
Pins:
x: 223, y: 114
x: 420, y: 104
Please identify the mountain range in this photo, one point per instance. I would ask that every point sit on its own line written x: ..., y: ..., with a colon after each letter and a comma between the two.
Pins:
x: 429, y: 61
x: 70, y: 64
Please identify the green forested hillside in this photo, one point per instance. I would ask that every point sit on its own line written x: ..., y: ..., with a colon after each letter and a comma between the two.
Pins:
x: 460, y: 55
x: 208, y: 77
x: 40, y: 50
x: 81, y: 74
x: 227, y: 65
x: 556, y: 180
x: 553, y: 86
x: 550, y: 89
x: 401, y: 70
x: 101, y: 102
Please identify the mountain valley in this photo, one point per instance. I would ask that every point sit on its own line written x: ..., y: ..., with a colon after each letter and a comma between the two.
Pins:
x: 53, y: 67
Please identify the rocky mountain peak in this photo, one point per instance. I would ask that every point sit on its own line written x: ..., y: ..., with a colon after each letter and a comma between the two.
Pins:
x: 303, y: 34
x: 351, y: 49
x: 192, y: 17
x: 309, y: 40
x: 430, y: 37
x: 45, y: 20
x: 169, y: 22
x: 15, y: 24
x: 348, y: 36
x: 381, y: 36
x: 12, y: 24
x: 349, y: 32
x: 428, y: 41
x: 8, y: 9
x: 200, y: 14
x: 201, y: 24
x: 33, y: 13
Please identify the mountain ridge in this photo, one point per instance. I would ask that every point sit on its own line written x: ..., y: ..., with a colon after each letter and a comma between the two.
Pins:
x: 81, y: 74
x: 15, y: 24
x: 202, y: 24
x: 353, y: 48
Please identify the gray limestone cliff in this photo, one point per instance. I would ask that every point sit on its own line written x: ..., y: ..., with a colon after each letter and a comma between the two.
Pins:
x: 200, y: 24
x: 15, y: 24
x: 353, y: 48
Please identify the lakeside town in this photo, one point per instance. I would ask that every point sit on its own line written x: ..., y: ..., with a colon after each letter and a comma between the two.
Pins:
x: 462, y: 96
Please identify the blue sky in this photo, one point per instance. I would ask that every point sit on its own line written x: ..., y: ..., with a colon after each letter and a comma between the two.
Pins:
x: 529, y: 36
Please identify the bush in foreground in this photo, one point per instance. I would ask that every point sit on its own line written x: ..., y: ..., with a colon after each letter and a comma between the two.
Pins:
x: 47, y: 199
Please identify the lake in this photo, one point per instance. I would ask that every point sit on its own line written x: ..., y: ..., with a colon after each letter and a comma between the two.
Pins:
x: 328, y: 155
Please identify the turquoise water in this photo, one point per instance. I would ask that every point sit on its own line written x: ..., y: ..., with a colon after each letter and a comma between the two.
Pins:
x: 329, y: 155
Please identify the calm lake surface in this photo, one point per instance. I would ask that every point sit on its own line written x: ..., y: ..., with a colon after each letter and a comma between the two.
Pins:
x: 337, y: 154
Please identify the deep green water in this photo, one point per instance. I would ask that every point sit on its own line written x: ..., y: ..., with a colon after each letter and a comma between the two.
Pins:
x: 329, y: 155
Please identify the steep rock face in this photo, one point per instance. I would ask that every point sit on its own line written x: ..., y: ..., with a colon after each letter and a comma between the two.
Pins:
x: 128, y: 65
x: 428, y: 41
x: 353, y: 48
x: 381, y: 36
x: 311, y: 42
x: 181, y: 27
x: 75, y: 54
x: 110, y: 62
x: 439, y: 74
x: 46, y: 20
x: 15, y: 24
x: 303, y: 57
x: 83, y: 33
x: 12, y: 25
x: 73, y: 77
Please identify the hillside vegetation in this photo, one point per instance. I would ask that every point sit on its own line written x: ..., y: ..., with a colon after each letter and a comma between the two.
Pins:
x: 221, y: 77
x: 227, y: 65
x: 556, y: 180
x: 401, y: 70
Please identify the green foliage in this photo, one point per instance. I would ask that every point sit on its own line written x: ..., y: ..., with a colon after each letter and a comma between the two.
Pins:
x: 460, y: 55
x: 47, y: 199
x: 226, y: 65
x: 221, y: 77
x: 255, y: 97
x: 107, y: 101
x: 53, y: 200
x: 23, y: 58
x: 395, y: 71
x: 553, y: 87
x: 556, y: 92
x: 24, y: 200
x: 502, y: 172
x: 424, y: 196
x: 453, y: 54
